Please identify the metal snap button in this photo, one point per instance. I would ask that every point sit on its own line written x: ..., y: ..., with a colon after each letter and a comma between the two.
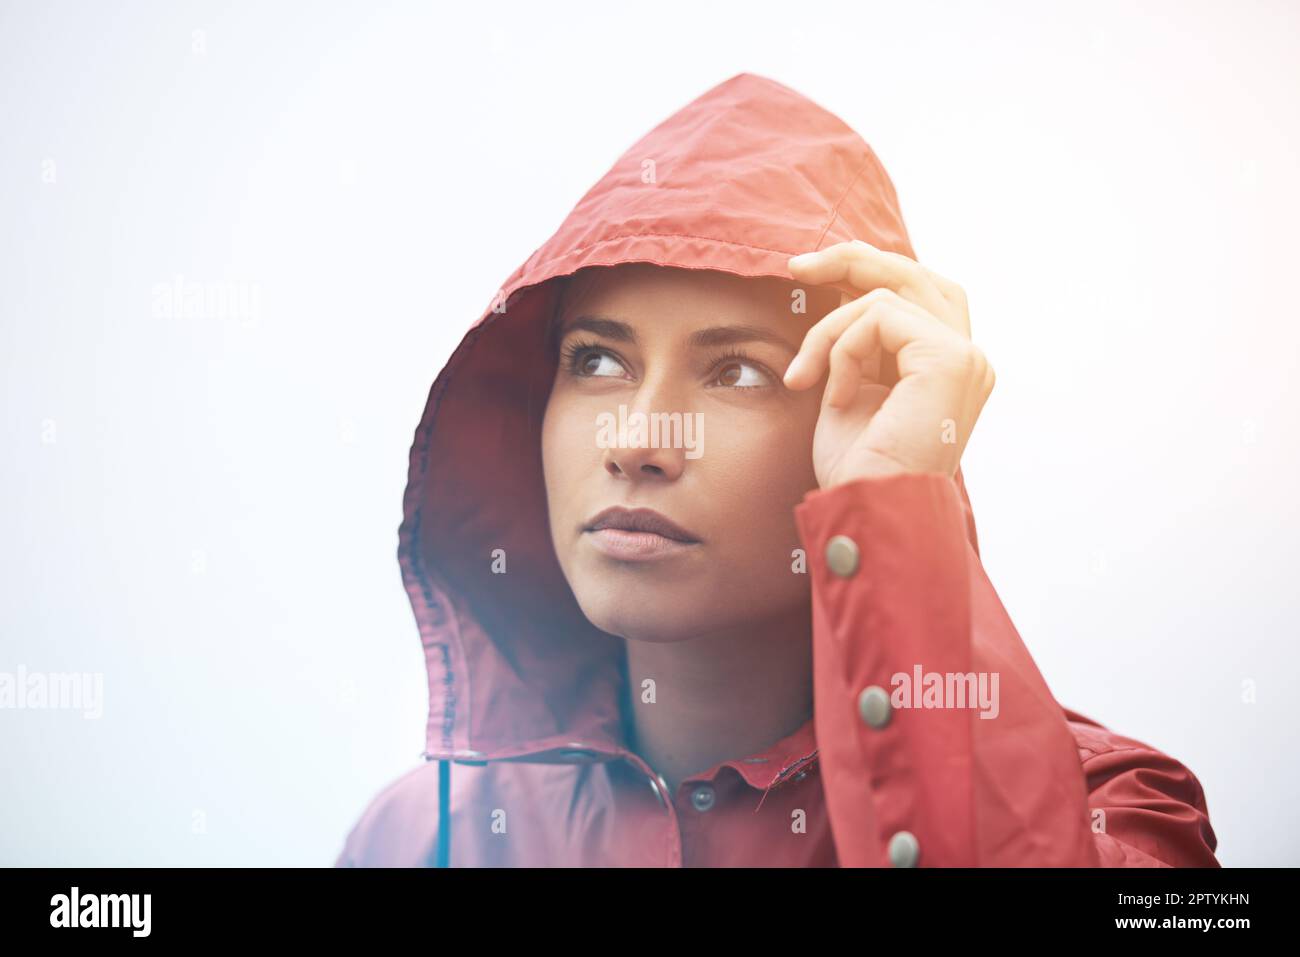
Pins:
x: 702, y: 798
x: 660, y: 787
x: 874, y: 707
x: 904, y: 849
x: 842, y: 555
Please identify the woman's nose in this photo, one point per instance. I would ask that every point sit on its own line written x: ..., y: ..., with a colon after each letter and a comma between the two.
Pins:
x: 637, y: 462
x: 649, y: 437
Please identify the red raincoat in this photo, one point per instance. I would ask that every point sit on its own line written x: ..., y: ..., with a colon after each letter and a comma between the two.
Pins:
x: 526, y: 696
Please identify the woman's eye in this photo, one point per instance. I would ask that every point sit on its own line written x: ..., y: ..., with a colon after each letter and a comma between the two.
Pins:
x: 592, y: 363
x: 733, y: 375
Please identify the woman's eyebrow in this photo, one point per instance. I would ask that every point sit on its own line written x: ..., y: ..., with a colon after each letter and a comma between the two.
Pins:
x: 601, y: 326
x: 733, y: 335
x: 711, y: 337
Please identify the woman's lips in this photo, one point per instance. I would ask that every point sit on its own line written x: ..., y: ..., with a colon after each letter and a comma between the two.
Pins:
x: 630, y: 546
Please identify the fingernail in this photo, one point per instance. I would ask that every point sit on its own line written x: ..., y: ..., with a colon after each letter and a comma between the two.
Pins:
x: 793, y: 367
x: 802, y: 259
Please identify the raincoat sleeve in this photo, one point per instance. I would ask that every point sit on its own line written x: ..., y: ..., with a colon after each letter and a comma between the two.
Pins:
x: 900, y: 603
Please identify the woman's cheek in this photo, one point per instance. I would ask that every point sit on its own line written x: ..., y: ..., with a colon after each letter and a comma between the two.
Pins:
x: 758, y: 470
x: 560, y: 465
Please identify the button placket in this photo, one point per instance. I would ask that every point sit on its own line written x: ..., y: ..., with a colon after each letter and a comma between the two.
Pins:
x: 663, y: 828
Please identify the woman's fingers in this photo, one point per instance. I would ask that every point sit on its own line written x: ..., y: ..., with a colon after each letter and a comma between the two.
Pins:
x: 885, y: 325
x: 865, y: 267
x: 814, y: 354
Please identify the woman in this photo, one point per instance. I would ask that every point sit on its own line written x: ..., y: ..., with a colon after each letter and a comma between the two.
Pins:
x: 691, y: 555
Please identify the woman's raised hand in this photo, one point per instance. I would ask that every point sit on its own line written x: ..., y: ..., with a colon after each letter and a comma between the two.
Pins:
x: 906, y: 383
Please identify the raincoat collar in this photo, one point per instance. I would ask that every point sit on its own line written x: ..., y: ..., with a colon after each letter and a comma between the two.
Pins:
x: 738, y: 180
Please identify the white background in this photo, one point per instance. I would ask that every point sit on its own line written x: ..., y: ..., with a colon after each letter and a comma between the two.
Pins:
x: 205, y: 510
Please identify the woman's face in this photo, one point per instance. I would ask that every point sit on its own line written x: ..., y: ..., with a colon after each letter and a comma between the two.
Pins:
x: 729, y: 470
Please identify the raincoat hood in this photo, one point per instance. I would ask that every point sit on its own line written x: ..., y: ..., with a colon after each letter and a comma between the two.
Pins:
x: 738, y: 180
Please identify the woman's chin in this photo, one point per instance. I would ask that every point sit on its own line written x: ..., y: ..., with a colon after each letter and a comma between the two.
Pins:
x: 641, y: 618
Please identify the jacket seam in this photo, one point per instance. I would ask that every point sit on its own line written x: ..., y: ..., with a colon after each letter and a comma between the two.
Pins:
x: 835, y: 209
x: 1099, y: 754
